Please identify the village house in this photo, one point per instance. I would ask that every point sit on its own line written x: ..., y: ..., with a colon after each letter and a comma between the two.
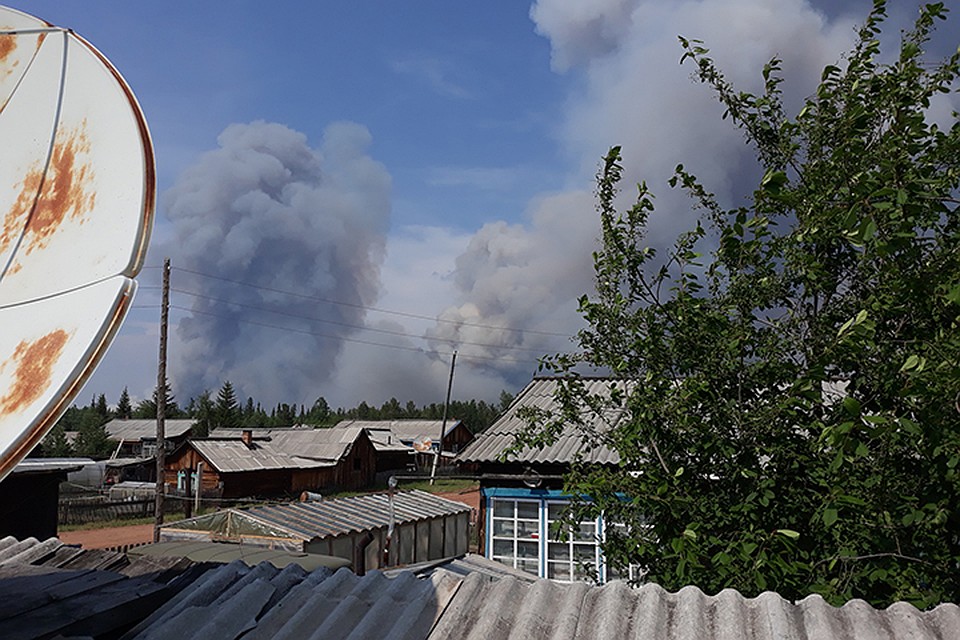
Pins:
x: 521, y: 496
x: 271, y: 462
x: 138, y: 438
x: 411, y: 443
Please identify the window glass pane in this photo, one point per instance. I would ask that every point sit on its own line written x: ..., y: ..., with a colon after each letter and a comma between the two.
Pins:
x: 586, y: 532
x: 528, y: 549
x: 503, y: 508
x: 503, y: 528
x: 503, y: 548
x: 584, y: 552
x: 558, y: 551
x: 560, y: 534
x: 555, y: 510
x: 528, y: 510
x: 530, y: 566
x: 528, y: 529
x: 585, y: 572
x: 558, y: 570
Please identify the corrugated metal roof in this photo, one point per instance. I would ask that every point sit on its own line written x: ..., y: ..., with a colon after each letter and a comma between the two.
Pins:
x: 234, y: 600
x: 409, y: 430
x: 135, y: 430
x: 569, y: 446
x: 338, y: 516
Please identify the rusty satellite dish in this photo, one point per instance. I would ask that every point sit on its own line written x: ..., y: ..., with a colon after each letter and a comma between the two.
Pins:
x: 77, y: 194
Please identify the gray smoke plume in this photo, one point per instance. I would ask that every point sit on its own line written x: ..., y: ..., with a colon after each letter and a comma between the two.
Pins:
x: 632, y: 92
x: 265, y: 209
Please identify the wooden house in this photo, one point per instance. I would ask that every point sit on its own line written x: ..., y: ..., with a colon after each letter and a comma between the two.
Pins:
x: 401, y: 444
x: 275, y: 462
x: 521, y: 496
x: 138, y: 438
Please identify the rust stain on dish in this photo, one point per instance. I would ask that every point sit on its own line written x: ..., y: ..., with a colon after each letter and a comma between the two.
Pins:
x: 8, y: 45
x: 34, y: 363
x: 65, y: 193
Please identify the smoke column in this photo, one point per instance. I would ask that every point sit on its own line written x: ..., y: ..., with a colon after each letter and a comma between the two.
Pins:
x: 266, y: 209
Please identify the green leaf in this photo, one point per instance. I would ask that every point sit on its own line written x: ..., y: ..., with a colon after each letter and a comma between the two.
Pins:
x: 830, y: 516
x: 911, y: 363
x: 789, y: 533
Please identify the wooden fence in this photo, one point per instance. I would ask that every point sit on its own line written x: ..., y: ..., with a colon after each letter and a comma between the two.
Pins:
x: 98, y: 509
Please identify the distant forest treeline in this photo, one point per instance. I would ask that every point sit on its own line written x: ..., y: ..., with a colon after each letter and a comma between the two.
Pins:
x: 226, y: 410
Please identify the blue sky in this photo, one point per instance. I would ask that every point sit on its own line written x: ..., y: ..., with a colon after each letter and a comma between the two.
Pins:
x: 438, y: 162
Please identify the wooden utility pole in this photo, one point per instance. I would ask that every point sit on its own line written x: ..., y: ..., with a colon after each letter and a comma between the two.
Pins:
x: 443, y: 428
x: 161, y: 400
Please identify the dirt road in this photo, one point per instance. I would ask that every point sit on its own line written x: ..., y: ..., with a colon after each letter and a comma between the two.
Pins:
x: 141, y: 533
x: 112, y: 537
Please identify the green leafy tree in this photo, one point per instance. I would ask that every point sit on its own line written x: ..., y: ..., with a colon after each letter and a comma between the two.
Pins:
x: 791, y: 367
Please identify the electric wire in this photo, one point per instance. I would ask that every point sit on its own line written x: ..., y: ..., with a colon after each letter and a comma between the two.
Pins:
x: 364, y: 307
x: 357, y: 340
x: 338, y: 323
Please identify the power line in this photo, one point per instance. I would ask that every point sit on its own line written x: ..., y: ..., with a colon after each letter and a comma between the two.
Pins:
x: 402, y: 334
x: 366, y: 308
x: 355, y: 340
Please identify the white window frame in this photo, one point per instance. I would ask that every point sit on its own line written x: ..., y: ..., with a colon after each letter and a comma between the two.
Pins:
x: 516, y: 523
x: 573, y: 562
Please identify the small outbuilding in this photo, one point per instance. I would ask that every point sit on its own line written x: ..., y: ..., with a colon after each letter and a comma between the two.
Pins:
x: 29, y: 497
x: 426, y: 527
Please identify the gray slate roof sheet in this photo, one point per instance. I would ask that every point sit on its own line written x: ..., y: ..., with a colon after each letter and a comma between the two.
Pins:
x: 339, y: 516
x: 569, y: 446
x: 404, y: 429
x: 278, y: 449
x: 234, y: 600
x: 135, y: 430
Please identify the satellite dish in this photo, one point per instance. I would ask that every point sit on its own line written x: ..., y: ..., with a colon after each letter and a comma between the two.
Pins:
x: 423, y: 444
x: 77, y: 194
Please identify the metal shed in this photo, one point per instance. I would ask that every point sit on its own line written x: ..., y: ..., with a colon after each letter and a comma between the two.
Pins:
x: 426, y: 527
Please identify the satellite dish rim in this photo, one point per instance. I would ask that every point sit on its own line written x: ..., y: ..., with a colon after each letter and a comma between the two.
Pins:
x: 148, y: 204
x: 78, y: 377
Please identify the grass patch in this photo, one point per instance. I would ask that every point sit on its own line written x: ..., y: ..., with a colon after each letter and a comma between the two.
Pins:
x: 440, y: 485
x: 127, y: 522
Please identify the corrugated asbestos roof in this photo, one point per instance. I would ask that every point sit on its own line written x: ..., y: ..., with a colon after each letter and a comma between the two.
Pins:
x: 569, y: 446
x: 232, y: 455
x: 510, y: 609
x: 50, y: 465
x: 234, y: 600
x: 135, y: 430
x: 278, y: 449
x: 409, y: 430
x: 339, y: 516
